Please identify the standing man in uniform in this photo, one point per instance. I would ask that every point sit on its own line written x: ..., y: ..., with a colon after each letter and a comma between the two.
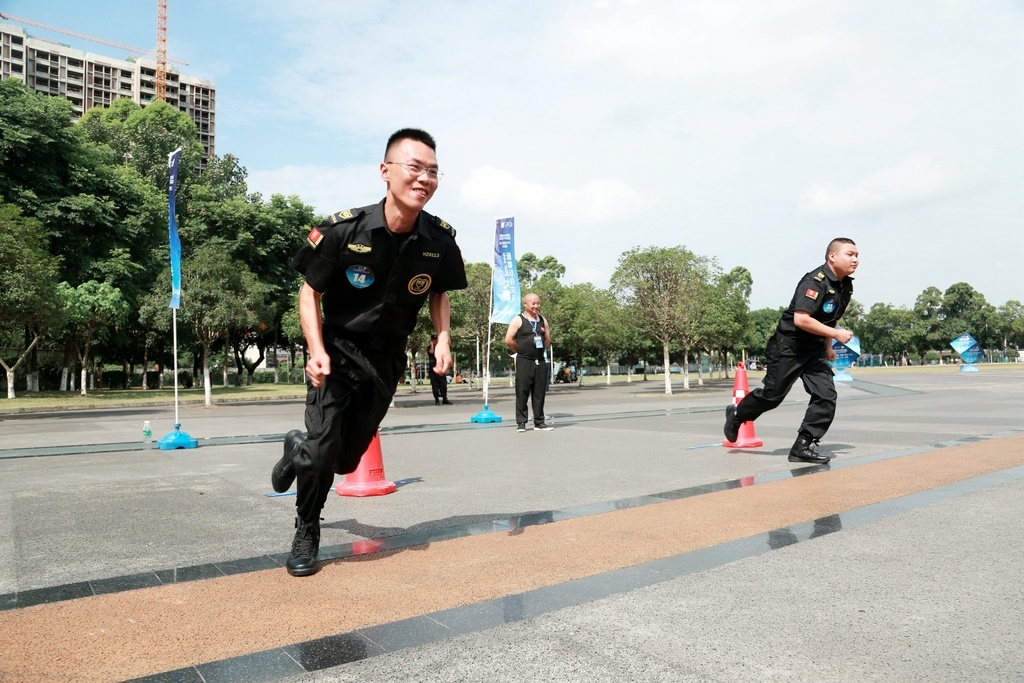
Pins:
x: 438, y: 383
x: 370, y: 270
x: 527, y: 336
x: 801, y: 348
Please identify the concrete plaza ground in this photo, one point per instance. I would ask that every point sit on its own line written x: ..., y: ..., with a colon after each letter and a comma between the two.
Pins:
x: 900, y: 562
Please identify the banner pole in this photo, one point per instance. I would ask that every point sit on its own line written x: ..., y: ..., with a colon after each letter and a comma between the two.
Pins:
x: 176, y: 438
x: 174, y: 335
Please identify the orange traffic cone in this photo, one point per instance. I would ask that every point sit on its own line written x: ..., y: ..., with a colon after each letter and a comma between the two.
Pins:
x: 747, y: 438
x: 368, y: 479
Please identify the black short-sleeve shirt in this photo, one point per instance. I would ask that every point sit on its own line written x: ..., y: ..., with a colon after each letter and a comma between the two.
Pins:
x: 823, y: 296
x: 373, y: 282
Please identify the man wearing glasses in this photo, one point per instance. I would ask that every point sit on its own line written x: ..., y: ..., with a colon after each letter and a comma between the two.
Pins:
x: 370, y: 270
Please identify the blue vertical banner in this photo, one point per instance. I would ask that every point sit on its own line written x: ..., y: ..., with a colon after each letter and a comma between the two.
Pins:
x: 172, y: 228
x: 505, y: 293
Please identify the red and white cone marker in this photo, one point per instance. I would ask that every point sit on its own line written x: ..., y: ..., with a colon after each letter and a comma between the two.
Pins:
x: 746, y: 438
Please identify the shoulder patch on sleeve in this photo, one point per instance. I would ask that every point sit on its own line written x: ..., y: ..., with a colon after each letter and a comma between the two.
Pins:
x: 315, y: 237
x: 811, y: 294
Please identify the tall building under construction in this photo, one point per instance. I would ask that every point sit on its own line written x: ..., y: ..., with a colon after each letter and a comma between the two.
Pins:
x: 89, y: 80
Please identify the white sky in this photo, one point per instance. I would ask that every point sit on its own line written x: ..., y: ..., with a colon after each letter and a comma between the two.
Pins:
x: 752, y: 131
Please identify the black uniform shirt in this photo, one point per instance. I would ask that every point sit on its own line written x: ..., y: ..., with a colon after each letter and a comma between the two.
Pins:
x: 822, y: 295
x: 373, y: 281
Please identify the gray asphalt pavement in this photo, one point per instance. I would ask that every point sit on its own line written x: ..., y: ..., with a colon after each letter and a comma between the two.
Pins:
x: 929, y: 592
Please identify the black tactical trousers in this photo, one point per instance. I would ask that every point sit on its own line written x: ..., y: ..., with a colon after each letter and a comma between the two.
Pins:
x: 786, y: 364
x: 342, y: 417
x: 531, y: 381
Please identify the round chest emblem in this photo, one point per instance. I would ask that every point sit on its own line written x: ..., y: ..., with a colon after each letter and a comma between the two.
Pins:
x: 359, y: 277
x: 829, y: 306
x: 419, y: 284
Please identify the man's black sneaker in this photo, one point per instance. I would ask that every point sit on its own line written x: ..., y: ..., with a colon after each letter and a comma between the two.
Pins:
x: 305, y: 548
x: 732, y: 425
x: 806, y: 450
x: 283, y: 474
x: 445, y: 402
x: 521, y: 427
x: 543, y: 427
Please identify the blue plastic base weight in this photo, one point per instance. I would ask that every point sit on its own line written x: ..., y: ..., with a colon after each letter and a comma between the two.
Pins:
x: 176, y: 439
x: 485, y: 415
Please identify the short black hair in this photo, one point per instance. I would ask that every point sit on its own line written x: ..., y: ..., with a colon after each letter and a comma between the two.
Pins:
x: 410, y: 134
x: 834, y: 245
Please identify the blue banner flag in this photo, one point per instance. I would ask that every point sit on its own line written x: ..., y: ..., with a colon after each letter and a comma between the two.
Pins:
x: 505, y: 293
x: 172, y: 227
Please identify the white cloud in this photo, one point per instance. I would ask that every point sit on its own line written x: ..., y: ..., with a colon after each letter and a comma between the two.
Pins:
x: 916, y: 180
x: 493, y: 190
x: 326, y: 188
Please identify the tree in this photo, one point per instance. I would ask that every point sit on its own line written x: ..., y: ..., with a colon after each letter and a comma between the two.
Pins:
x: 1012, y: 315
x: 763, y: 322
x: 37, y: 145
x: 90, y: 308
x: 532, y: 270
x: 890, y: 331
x: 928, y: 307
x: 142, y: 137
x: 28, y: 287
x: 964, y: 309
x: 589, y: 324
x: 726, y: 315
x: 654, y: 281
x: 217, y: 295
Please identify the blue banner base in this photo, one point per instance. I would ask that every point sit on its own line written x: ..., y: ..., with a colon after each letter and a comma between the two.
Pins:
x: 843, y: 376
x: 968, y: 368
x: 485, y: 415
x: 176, y: 439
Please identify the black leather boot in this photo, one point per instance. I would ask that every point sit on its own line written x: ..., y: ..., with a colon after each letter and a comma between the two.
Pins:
x: 806, y: 450
x: 305, y: 548
x: 283, y: 474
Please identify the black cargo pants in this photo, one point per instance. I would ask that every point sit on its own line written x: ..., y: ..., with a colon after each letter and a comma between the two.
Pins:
x: 788, y: 362
x: 342, y: 417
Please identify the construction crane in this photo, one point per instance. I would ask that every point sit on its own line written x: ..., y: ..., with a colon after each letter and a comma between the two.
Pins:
x: 161, y: 50
x: 93, y: 39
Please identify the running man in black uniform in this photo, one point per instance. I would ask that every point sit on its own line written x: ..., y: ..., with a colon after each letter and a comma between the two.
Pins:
x: 801, y: 349
x: 370, y: 270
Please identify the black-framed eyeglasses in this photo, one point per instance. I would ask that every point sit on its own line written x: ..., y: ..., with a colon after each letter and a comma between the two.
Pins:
x: 418, y: 169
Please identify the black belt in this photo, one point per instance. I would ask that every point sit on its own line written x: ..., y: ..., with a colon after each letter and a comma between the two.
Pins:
x: 792, y: 343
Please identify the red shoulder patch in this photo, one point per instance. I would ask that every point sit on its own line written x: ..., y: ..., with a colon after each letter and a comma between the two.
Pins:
x: 811, y: 294
x: 314, y: 237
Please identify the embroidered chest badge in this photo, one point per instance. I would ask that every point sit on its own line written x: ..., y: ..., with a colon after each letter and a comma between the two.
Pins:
x: 419, y: 283
x: 829, y: 306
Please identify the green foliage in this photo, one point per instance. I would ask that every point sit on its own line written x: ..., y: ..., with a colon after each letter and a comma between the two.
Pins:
x: 762, y: 326
x: 588, y: 325
x: 37, y: 146
x: 533, y: 270
x: 28, y: 274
